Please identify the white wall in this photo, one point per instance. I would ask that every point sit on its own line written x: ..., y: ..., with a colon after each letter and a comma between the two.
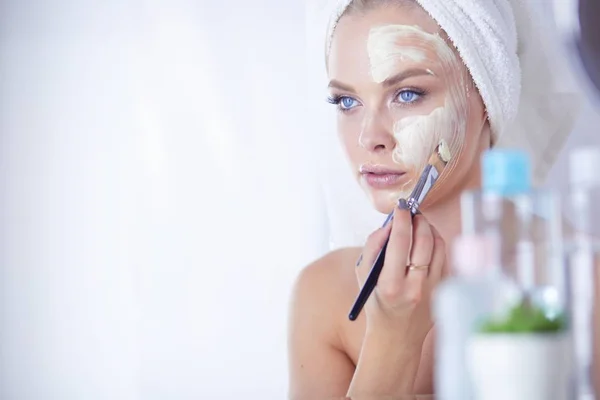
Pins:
x: 156, y: 199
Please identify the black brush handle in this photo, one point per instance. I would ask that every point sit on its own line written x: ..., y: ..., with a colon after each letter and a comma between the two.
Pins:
x: 370, y: 283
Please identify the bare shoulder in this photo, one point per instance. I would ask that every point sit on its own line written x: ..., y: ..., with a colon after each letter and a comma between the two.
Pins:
x: 331, y: 265
x: 328, y: 281
x: 319, y: 365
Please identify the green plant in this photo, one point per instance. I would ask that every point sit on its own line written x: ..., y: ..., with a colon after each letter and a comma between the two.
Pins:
x: 525, y: 318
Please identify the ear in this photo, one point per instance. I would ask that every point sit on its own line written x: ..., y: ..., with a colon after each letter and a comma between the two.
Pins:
x: 488, y: 139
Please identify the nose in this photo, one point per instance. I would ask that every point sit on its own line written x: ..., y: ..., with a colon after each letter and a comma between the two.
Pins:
x: 376, y: 135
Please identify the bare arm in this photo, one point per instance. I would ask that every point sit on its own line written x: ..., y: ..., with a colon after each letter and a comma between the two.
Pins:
x: 398, y: 313
x: 384, y: 368
x: 318, y: 367
x: 397, y: 316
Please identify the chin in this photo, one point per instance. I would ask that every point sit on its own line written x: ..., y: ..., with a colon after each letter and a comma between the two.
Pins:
x: 385, y: 201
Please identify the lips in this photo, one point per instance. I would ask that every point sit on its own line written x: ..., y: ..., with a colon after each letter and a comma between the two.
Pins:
x: 379, y: 170
x: 381, y: 177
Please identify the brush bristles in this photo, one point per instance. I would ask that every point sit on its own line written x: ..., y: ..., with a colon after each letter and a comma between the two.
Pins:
x: 437, y: 163
x: 444, y: 151
x: 440, y: 157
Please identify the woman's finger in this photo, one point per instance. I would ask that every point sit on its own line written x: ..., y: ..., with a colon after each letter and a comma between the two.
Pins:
x: 421, y: 251
x: 392, y: 276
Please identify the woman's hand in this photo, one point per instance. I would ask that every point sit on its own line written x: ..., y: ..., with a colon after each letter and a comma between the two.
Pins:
x: 398, y: 313
x: 414, y: 261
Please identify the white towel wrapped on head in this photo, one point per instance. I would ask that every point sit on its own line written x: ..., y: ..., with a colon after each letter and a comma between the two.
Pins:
x: 500, y: 44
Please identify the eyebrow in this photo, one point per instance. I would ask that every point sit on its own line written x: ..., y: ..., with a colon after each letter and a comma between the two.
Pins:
x: 409, y: 73
x: 391, y: 81
x: 339, y: 85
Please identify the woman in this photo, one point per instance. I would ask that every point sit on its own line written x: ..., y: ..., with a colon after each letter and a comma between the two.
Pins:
x: 400, y: 84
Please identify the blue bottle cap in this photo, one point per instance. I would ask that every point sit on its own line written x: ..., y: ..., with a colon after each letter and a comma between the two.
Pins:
x: 505, y: 172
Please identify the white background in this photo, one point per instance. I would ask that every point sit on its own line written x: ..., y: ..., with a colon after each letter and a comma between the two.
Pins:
x: 157, y: 197
x: 160, y: 170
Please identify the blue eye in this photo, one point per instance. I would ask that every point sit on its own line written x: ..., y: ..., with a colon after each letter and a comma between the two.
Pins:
x: 343, y: 103
x: 408, y: 96
x: 347, y: 103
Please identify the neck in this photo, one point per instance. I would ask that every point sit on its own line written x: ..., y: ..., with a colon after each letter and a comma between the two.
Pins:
x: 445, y: 216
x: 446, y: 219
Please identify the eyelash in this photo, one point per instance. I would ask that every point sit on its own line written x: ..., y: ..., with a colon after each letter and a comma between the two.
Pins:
x: 337, y: 99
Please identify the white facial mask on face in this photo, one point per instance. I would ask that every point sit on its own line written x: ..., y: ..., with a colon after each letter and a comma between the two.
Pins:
x: 391, y: 48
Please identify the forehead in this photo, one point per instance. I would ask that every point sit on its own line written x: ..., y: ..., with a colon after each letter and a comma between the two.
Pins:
x: 349, y: 44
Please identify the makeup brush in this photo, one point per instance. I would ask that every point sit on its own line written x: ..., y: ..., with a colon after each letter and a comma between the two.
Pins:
x: 432, y: 171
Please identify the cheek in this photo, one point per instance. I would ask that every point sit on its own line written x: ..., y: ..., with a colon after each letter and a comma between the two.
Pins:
x: 468, y: 158
x: 418, y: 136
x: 475, y: 127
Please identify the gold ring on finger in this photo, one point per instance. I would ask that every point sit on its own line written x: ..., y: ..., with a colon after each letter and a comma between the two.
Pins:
x: 412, y: 267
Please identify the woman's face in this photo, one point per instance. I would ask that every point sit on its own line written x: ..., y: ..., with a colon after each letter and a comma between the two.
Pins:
x: 400, y: 89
